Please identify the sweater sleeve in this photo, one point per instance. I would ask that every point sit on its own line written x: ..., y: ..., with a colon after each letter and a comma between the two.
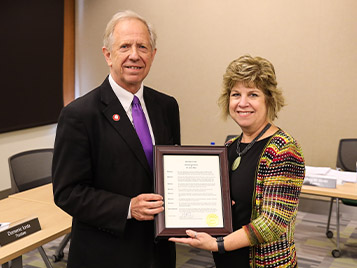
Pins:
x: 279, y: 180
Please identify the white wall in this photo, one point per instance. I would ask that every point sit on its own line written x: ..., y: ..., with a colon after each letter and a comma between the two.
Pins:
x: 312, y: 44
x: 22, y: 140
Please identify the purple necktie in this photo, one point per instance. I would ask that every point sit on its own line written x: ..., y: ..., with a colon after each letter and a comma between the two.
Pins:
x: 142, y: 129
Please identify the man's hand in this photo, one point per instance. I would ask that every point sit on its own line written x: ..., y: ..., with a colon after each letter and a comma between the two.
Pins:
x: 145, y: 206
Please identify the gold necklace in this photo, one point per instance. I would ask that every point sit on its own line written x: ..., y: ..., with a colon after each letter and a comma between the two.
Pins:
x: 236, y: 162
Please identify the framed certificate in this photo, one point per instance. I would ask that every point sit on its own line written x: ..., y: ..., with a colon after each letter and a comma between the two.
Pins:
x: 194, y: 182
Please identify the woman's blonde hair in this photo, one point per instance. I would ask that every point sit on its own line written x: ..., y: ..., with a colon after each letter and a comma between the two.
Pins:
x: 252, y: 72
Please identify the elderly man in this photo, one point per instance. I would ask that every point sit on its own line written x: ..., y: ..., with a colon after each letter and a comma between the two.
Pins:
x: 102, y: 165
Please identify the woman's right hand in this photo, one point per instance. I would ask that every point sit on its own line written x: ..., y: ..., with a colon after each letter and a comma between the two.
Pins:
x: 199, y: 240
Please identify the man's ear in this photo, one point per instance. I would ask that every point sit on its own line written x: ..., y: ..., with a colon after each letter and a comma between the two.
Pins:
x: 107, y: 55
x: 154, y: 53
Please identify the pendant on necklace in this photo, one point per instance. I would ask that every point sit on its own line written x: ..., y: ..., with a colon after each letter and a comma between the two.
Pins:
x: 236, y: 163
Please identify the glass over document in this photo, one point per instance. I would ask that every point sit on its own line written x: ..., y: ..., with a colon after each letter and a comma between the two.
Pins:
x: 192, y: 191
x: 194, y: 183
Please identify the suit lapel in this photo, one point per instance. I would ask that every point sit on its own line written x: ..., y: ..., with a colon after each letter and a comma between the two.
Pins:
x: 117, y: 117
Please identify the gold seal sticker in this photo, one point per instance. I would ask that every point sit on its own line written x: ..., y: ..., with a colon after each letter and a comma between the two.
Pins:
x: 212, y: 220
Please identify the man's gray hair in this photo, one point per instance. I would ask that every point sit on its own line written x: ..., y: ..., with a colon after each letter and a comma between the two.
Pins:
x: 121, y: 15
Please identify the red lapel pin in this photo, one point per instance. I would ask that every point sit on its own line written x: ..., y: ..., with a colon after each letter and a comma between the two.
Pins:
x: 116, y: 117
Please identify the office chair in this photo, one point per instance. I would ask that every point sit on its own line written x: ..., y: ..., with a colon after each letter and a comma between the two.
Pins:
x: 347, y: 161
x: 230, y: 137
x: 31, y: 169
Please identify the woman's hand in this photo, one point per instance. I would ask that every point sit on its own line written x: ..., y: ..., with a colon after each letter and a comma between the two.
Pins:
x: 197, y: 240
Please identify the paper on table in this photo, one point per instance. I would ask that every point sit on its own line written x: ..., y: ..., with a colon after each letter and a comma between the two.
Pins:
x: 329, y: 174
x: 343, y: 176
x: 4, y: 225
x: 318, y: 176
x: 317, y: 170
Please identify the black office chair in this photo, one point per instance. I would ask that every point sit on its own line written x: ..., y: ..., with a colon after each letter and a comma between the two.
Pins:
x: 31, y: 169
x: 346, y: 161
x: 230, y: 137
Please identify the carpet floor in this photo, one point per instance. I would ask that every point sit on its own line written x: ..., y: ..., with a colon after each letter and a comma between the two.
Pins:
x: 313, y: 247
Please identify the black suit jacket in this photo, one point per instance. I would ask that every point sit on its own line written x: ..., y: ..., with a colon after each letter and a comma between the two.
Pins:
x: 98, y: 166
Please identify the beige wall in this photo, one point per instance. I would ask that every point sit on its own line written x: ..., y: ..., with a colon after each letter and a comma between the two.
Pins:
x: 312, y: 44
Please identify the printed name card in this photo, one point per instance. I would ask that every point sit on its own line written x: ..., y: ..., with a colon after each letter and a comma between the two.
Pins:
x: 18, y: 230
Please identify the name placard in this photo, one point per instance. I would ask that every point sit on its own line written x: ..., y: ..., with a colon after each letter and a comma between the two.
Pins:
x: 320, y: 181
x: 18, y: 230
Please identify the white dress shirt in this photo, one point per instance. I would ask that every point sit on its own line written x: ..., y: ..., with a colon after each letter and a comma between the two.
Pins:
x: 126, y: 98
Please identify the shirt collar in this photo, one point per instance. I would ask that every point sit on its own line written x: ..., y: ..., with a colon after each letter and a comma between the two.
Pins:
x: 125, y: 97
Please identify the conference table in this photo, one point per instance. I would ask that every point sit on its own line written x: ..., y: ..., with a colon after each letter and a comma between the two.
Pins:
x: 346, y: 190
x: 37, y: 202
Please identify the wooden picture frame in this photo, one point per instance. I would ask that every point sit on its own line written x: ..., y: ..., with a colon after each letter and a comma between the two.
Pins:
x: 194, y: 181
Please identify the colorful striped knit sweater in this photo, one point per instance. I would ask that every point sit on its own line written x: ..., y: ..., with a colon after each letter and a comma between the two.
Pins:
x: 279, y: 178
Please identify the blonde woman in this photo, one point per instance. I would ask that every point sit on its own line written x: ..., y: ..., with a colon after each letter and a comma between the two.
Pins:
x: 266, y: 173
